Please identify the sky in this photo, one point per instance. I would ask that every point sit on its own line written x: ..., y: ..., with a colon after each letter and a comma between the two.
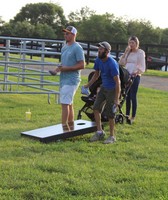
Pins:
x: 147, y: 10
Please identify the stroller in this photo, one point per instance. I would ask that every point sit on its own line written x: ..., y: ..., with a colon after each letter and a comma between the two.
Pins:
x: 126, y: 82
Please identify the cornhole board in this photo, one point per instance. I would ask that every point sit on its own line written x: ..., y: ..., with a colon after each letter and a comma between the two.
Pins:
x: 56, y: 132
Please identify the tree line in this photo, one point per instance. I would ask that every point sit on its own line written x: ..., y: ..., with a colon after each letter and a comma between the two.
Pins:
x: 46, y: 20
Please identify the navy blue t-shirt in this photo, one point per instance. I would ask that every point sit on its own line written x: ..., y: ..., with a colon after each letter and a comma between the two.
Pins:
x: 108, y: 69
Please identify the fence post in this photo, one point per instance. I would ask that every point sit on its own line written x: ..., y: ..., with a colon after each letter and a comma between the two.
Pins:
x: 6, y: 69
x: 23, y: 58
x: 42, y: 66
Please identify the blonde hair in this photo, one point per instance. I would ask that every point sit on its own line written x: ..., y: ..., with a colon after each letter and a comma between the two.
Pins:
x: 135, y: 39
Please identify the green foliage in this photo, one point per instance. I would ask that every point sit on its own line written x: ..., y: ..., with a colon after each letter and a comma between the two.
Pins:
x: 164, y: 36
x: 23, y: 28
x: 82, y: 15
x: 102, y: 27
x: 41, y: 30
x: 91, y: 33
x: 6, y: 29
x: 135, y: 167
x: 144, y: 31
x: 47, y: 18
x: 43, y: 13
x: 91, y: 27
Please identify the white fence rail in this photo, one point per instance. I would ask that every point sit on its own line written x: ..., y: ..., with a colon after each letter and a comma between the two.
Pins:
x: 24, y: 67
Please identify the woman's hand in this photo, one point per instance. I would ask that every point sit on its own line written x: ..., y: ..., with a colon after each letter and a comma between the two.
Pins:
x: 127, y: 50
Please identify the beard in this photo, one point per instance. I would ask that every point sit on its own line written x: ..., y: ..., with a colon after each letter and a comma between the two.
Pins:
x: 102, y: 56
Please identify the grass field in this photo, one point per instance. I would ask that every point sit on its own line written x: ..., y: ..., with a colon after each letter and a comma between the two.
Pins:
x: 135, y: 167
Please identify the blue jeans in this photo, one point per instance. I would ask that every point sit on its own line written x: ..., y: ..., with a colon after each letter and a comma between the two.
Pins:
x: 131, y: 99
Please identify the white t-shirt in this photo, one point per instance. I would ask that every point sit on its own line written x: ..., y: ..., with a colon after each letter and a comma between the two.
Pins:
x: 134, y: 62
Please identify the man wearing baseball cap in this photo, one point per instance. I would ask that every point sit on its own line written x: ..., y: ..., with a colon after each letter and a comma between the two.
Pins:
x: 72, y: 61
x: 70, y: 29
x: 105, y: 45
x: 108, y: 95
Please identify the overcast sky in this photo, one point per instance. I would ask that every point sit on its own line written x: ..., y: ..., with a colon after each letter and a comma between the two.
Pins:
x: 149, y: 10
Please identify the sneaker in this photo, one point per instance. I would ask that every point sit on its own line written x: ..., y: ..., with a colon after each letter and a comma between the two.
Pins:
x: 97, y: 136
x: 53, y: 73
x: 129, y: 121
x: 109, y: 140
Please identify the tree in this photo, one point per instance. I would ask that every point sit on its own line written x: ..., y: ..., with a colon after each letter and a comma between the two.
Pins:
x: 23, y: 29
x: 144, y: 31
x: 6, y: 30
x: 84, y: 14
x: 42, y: 13
x: 43, y: 30
x: 164, y: 36
x: 102, y: 27
x: 46, y: 20
x: 1, y: 21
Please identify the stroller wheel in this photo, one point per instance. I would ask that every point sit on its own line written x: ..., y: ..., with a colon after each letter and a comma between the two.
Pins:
x: 119, y: 119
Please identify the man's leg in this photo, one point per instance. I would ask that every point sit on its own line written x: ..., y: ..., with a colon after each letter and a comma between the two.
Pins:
x: 71, y: 117
x: 99, y: 135
x: 97, y: 116
x: 110, y: 95
x: 111, y: 138
x: 71, y: 114
x: 65, y: 113
x: 111, y: 125
x: 66, y: 98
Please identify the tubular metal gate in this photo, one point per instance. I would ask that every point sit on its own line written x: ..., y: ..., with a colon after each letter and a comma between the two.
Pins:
x: 24, y: 66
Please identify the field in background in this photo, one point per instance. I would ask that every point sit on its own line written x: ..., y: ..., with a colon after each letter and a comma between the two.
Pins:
x: 135, y: 167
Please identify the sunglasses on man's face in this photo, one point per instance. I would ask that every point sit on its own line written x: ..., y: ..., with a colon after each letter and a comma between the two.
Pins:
x: 66, y: 33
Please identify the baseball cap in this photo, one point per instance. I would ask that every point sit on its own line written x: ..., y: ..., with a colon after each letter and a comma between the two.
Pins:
x: 105, y: 45
x: 70, y: 29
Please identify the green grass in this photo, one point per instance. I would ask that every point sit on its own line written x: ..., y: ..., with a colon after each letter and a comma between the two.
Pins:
x: 156, y: 73
x: 135, y: 167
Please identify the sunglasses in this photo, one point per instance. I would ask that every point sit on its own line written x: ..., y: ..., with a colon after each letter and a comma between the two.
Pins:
x: 66, y: 33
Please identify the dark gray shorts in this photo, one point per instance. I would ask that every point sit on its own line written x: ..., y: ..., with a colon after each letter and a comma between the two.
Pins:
x: 104, y: 101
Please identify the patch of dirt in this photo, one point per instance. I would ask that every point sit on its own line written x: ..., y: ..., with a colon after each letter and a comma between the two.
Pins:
x: 154, y: 82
